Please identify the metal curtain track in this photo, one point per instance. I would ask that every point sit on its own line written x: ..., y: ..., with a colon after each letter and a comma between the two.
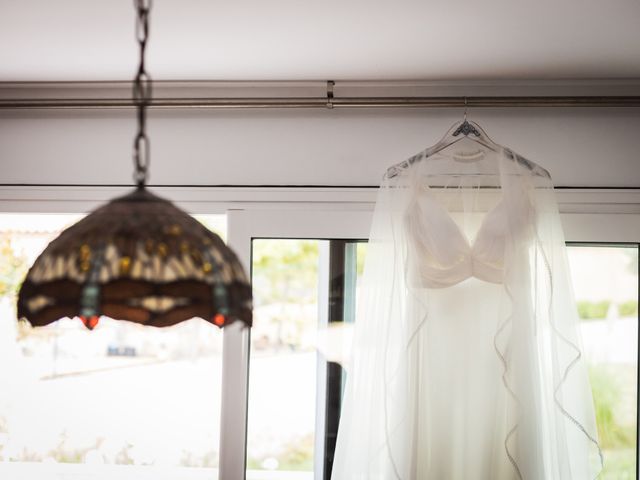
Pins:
x: 68, y: 96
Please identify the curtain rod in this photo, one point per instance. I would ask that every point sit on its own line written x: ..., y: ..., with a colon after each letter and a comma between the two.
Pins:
x: 328, y: 102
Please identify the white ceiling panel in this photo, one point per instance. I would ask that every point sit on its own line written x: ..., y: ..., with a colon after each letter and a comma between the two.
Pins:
x: 44, y: 40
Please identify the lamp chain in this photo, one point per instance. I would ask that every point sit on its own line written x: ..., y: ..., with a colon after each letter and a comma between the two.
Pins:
x: 141, y: 95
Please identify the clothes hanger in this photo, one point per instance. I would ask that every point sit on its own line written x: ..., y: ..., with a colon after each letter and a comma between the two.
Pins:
x: 465, y: 129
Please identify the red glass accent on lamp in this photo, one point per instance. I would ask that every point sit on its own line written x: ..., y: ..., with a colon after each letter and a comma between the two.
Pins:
x: 90, y: 322
x: 219, y: 319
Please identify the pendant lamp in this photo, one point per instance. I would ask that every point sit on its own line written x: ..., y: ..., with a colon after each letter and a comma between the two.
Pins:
x: 139, y: 257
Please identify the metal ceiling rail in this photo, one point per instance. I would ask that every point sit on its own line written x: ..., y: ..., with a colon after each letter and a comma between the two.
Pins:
x: 327, y: 102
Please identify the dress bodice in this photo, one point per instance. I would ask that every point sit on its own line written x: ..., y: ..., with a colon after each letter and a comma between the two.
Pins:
x: 440, y: 255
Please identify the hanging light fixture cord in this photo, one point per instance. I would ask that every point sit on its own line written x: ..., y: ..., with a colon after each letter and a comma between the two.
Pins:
x: 142, y: 95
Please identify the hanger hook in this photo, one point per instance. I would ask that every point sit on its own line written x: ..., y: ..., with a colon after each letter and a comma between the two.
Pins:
x: 466, y: 106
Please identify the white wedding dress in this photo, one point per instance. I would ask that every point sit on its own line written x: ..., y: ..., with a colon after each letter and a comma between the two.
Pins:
x: 467, y: 360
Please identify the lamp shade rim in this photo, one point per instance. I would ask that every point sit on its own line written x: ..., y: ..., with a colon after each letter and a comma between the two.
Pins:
x: 138, y: 258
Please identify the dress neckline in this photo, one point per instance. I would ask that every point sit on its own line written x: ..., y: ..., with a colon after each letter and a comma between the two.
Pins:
x: 449, y: 218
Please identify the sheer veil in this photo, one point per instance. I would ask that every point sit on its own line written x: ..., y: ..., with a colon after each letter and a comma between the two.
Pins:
x: 471, y: 378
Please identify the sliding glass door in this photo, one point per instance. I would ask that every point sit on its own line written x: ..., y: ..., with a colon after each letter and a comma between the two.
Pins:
x: 283, y: 381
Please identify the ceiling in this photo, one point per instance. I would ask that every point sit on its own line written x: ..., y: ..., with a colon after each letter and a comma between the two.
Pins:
x: 85, y: 40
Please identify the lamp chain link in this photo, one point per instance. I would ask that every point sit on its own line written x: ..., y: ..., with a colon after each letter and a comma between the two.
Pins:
x: 141, y: 94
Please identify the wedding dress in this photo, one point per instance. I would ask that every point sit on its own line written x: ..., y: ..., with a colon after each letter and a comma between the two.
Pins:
x: 467, y: 362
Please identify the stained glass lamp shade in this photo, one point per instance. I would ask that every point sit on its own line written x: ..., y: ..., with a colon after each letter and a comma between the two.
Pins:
x: 137, y: 258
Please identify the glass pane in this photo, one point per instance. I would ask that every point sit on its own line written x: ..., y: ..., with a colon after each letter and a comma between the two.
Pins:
x: 83, y: 403
x: 605, y: 282
x: 284, y: 362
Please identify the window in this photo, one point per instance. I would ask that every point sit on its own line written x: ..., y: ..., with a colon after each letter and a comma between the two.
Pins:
x: 605, y: 282
x: 120, y: 398
x: 229, y: 391
x: 284, y: 363
x: 294, y: 404
x: 305, y: 295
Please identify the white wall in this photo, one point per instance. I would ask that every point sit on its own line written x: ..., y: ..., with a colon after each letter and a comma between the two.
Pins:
x: 588, y: 147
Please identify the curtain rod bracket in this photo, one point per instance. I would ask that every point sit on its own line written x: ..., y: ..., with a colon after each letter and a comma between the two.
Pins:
x: 330, y: 85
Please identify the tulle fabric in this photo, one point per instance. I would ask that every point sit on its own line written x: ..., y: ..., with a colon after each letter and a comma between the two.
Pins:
x: 472, y: 372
